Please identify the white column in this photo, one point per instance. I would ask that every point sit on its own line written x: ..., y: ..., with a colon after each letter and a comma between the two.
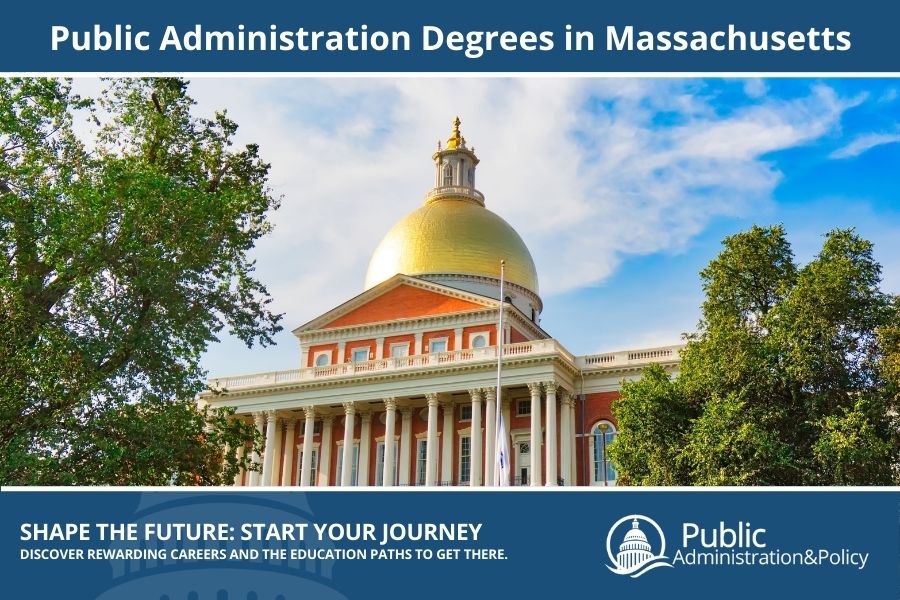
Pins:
x: 390, y: 421
x: 507, y: 420
x: 342, y: 349
x: 417, y: 348
x: 269, y: 457
x: 431, y: 445
x: 405, y: 444
x: 574, y: 437
x: 552, y: 471
x: 535, y: 389
x: 276, y: 455
x: 365, y: 441
x: 379, y: 348
x: 260, y: 420
x: 447, y: 442
x: 289, y: 451
x: 490, y: 434
x: 309, y: 428
x: 565, y: 438
x: 347, y: 458
x: 458, y: 338
x: 324, y: 470
x: 475, y: 439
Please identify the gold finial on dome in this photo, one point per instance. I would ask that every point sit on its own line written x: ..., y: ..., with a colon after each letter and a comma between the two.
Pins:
x: 456, y: 140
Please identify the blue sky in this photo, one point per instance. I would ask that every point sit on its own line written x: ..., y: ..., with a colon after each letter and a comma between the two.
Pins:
x: 622, y: 188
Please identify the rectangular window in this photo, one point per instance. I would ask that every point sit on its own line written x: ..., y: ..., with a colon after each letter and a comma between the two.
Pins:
x: 379, y: 464
x: 465, y: 412
x: 465, y: 460
x: 399, y: 350
x: 354, y: 463
x: 438, y: 345
x: 421, y: 460
x: 523, y: 407
x: 314, y: 468
x: 360, y: 354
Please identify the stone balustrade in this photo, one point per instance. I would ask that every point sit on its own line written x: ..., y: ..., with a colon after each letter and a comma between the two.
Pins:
x: 628, y: 358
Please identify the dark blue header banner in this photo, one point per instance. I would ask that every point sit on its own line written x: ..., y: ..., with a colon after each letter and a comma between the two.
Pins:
x: 568, y: 36
x: 228, y: 545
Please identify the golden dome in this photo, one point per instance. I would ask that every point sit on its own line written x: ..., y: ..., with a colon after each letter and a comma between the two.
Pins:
x: 452, y: 235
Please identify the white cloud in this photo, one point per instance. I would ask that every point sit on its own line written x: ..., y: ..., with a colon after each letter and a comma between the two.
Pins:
x: 889, y: 96
x: 755, y: 87
x: 864, y: 143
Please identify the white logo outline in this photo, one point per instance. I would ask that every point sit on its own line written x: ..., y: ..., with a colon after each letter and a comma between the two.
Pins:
x: 653, y: 561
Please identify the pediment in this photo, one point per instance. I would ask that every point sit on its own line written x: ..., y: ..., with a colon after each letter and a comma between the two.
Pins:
x: 401, y: 297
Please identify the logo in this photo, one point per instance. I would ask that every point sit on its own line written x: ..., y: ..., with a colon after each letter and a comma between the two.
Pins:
x: 635, y: 556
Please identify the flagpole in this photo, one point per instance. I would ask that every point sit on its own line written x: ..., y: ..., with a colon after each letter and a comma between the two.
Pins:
x: 501, y: 460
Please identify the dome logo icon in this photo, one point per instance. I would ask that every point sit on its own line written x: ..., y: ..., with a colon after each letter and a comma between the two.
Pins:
x: 635, y: 556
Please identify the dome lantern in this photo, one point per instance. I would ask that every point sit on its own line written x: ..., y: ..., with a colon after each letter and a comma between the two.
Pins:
x: 454, y: 169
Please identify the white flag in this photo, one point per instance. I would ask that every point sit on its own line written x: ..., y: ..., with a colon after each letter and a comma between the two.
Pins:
x: 501, y: 469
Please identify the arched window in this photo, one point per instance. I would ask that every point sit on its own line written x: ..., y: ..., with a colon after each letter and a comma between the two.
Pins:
x: 448, y: 174
x: 322, y: 359
x: 602, y: 470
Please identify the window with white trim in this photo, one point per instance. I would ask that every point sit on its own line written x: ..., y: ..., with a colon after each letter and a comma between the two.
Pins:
x: 437, y: 344
x: 354, y: 464
x: 399, y: 350
x: 379, y: 464
x: 314, y: 467
x: 421, y: 460
x: 600, y: 463
x: 323, y: 359
x: 448, y: 174
x: 465, y: 412
x: 360, y: 354
x: 465, y: 459
x: 478, y: 340
x: 523, y: 408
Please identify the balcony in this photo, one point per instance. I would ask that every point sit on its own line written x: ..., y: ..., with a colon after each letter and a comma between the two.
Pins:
x: 383, y: 365
x: 548, y: 347
x: 629, y: 358
x: 455, y: 190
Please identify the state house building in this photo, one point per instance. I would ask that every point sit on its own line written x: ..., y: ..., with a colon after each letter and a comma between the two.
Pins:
x: 397, y: 386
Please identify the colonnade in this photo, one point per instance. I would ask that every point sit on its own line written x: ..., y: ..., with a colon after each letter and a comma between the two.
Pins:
x: 551, y: 438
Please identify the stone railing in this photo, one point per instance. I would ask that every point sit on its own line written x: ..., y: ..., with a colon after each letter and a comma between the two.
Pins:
x: 381, y: 365
x: 629, y: 358
x: 626, y: 358
x: 454, y: 190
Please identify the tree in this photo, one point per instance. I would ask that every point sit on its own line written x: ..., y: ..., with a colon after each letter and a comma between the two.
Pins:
x: 125, y: 227
x: 791, y: 379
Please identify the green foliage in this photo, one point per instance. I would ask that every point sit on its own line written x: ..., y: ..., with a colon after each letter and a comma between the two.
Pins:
x: 125, y: 224
x: 656, y: 418
x: 791, y: 379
